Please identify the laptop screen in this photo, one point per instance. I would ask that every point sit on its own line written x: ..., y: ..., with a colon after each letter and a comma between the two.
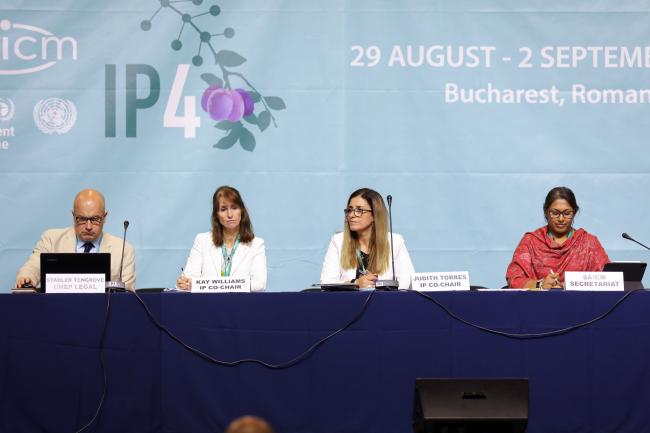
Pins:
x: 74, y: 263
x: 632, y: 271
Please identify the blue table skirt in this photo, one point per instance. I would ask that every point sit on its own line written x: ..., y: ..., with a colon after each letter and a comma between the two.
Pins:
x: 594, y: 379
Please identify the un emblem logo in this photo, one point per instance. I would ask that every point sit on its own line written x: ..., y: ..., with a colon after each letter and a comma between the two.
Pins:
x: 55, y: 115
x: 7, y: 109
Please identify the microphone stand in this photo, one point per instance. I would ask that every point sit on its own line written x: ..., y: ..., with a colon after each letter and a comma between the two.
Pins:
x: 634, y: 285
x: 389, y: 284
x: 119, y: 286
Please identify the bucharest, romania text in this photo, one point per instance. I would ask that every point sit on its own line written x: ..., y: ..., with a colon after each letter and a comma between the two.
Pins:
x: 576, y: 94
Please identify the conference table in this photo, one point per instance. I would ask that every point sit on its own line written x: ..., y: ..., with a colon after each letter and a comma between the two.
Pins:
x: 594, y: 378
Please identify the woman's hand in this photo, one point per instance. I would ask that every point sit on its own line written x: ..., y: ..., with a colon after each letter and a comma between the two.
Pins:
x: 184, y: 283
x: 366, y: 280
x: 552, y: 281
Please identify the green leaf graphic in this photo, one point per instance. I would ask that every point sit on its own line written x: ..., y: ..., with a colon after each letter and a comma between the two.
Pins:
x: 247, y: 140
x: 229, y: 58
x: 212, y: 79
x: 228, y: 141
x: 264, y: 120
x: 252, y: 119
x: 275, y: 103
x: 225, y: 125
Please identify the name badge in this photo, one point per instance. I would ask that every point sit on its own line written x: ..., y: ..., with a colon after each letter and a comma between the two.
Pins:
x: 605, y: 281
x: 75, y: 283
x: 221, y: 285
x: 440, y: 281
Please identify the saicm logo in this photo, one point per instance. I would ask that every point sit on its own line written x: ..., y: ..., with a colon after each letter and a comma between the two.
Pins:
x: 26, y: 49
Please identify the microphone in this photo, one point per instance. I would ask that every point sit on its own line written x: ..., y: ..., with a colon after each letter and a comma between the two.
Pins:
x: 389, y: 284
x: 630, y: 238
x: 389, y: 198
x: 119, y: 286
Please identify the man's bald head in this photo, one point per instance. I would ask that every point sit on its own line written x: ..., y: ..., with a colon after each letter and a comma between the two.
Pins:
x: 89, y: 214
x: 89, y: 196
x: 249, y: 424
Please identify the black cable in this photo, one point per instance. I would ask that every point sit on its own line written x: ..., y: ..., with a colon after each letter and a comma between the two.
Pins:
x: 103, y: 366
x: 282, y: 365
x: 527, y: 335
x: 356, y: 317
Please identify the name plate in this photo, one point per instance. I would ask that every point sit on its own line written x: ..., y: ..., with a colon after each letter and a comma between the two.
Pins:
x: 75, y: 283
x: 221, y: 285
x: 605, y: 281
x: 440, y: 281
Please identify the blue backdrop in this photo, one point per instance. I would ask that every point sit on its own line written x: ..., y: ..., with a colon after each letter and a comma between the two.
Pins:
x: 346, y: 94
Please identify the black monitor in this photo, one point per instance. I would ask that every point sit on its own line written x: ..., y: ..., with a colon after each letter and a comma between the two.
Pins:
x: 470, y: 405
x: 74, y: 263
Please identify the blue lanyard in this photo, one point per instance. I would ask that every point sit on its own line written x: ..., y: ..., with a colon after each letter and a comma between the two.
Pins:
x: 226, y: 266
x: 360, y: 260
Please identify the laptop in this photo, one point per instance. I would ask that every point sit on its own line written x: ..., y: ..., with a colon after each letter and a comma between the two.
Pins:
x: 470, y: 405
x: 74, y: 263
x: 632, y: 273
x: 339, y: 287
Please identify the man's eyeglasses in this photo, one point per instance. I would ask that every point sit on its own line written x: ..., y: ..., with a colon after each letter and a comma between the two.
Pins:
x: 357, y: 211
x: 94, y: 220
x: 555, y: 214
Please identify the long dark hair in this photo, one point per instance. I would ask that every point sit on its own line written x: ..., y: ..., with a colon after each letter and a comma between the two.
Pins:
x: 229, y: 193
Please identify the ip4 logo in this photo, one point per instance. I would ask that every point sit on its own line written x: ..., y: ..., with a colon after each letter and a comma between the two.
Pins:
x: 231, y: 108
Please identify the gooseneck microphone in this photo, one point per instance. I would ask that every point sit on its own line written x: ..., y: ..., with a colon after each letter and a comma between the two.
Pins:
x: 389, y: 198
x: 126, y: 226
x: 119, y: 286
x: 630, y: 238
x: 389, y: 284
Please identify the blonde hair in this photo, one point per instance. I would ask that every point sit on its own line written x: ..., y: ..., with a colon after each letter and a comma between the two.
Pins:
x: 379, y: 248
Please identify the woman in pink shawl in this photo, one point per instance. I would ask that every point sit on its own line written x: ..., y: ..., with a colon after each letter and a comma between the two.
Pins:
x: 543, y: 256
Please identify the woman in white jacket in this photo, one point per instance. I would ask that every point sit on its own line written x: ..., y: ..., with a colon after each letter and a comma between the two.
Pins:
x: 230, y: 249
x: 361, y: 254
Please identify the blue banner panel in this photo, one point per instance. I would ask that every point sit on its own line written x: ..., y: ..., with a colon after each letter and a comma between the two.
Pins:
x: 467, y: 113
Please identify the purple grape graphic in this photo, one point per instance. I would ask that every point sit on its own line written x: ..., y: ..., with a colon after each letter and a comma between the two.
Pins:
x: 225, y: 104
x: 249, y: 105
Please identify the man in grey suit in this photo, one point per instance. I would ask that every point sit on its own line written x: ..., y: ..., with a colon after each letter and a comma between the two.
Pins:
x: 86, y: 236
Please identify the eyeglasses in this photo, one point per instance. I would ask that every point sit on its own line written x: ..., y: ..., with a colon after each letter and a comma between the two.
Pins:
x: 357, y: 211
x: 555, y: 214
x: 94, y: 220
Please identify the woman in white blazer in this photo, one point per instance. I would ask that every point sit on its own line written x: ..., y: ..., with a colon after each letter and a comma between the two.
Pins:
x: 361, y: 253
x: 230, y: 249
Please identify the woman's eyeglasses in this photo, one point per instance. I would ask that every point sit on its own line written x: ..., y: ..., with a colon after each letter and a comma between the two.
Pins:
x: 555, y: 214
x: 356, y: 211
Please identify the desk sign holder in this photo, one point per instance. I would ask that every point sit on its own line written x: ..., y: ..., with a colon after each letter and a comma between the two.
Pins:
x: 75, y: 283
x: 221, y: 285
x: 440, y: 281
x: 594, y: 281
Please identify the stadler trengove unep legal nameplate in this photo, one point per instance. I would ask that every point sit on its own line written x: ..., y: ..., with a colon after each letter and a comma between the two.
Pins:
x: 75, y: 283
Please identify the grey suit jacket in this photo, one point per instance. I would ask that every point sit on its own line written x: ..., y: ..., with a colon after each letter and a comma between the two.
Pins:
x: 65, y: 241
